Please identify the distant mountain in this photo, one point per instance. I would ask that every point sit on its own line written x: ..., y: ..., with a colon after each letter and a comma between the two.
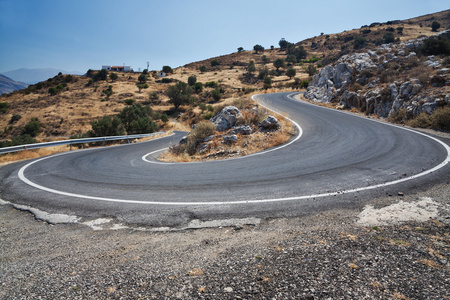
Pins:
x: 32, y: 76
x: 7, y: 85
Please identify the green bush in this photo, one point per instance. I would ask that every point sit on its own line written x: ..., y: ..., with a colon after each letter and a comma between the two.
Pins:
x: 216, y: 94
x: 107, y: 126
x: 53, y: 91
x: 192, y: 80
x: 215, y: 63
x: 32, y: 128
x: 198, y: 87
x: 211, y: 84
x: 15, y: 118
x: 136, y: 119
x: 22, y: 139
x: 388, y: 38
x: 435, y: 46
x: 359, y: 43
x: 167, y: 69
x: 129, y: 101
x: 435, y: 26
x: 263, y: 73
x: 4, y: 107
x: 267, y: 82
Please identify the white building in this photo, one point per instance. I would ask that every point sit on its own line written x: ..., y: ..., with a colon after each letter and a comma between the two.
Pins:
x: 118, y: 68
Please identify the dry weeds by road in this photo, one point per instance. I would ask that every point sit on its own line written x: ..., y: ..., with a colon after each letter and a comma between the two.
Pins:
x: 325, y: 256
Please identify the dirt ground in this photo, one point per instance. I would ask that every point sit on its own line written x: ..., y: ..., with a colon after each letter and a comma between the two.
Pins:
x: 393, y: 248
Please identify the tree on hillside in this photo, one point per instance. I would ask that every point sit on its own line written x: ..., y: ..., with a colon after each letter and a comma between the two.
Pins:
x: 101, y: 75
x: 251, y: 67
x: 141, y: 86
x: 179, y: 94
x: 136, y: 119
x: 291, y: 58
x: 215, y: 62
x: 108, y: 92
x: 267, y: 82
x: 279, y: 63
x: 258, y: 48
x: 192, y: 80
x: 167, y: 69
x: 311, y: 70
x: 142, y: 78
x: 299, y: 52
x: 240, y: 49
x: 203, y: 69
x: 291, y: 72
x: 283, y: 44
x: 435, y: 26
x: 113, y: 76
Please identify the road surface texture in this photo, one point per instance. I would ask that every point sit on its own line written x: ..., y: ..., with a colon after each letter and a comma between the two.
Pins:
x: 338, y: 161
x: 375, y: 244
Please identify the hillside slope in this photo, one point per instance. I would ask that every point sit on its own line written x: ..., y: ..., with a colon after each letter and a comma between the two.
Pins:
x: 79, y: 101
x: 7, y: 85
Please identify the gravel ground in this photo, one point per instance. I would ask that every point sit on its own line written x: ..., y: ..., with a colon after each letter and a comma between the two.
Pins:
x: 332, y: 255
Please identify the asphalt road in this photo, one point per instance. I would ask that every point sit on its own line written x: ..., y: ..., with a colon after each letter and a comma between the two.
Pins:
x: 340, y: 160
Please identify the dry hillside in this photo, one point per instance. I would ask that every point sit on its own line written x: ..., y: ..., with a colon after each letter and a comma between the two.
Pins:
x: 77, y: 102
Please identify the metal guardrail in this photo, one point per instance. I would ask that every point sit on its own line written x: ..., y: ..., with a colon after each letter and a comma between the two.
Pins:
x: 76, y: 141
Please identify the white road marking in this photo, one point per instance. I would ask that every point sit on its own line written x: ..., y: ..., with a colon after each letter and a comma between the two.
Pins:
x: 177, y: 203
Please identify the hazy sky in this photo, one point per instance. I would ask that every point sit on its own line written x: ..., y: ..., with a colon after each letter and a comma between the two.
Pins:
x: 77, y: 35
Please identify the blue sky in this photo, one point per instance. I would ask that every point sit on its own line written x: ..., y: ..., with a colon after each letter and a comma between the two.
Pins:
x: 77, y: 35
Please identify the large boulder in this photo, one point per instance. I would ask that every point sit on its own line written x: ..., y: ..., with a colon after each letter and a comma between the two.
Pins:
x: 227, y: 118
x: 270, y: 124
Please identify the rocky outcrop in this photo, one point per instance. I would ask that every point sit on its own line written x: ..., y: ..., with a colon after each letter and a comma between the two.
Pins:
x: 351, y: 82
x: 227, y: 118
x: 227, y: 122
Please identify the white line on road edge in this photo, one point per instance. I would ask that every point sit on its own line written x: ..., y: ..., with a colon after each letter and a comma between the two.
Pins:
x: 441, y: 165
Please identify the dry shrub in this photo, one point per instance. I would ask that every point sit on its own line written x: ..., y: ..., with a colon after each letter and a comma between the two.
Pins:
x: 421, y: 72
x: 421, y: 121
x: 252, y: 117
x: 243, y: 103
x: 440, y: 119
x: 401, y: 116
x: 201, y: 131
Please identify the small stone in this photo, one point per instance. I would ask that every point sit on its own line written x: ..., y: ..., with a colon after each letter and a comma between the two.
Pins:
x: 228, y: 289
x: 401, y: 194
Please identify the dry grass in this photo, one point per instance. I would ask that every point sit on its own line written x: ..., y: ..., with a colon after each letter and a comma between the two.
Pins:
x: 30, y: 154
x: 247, y: 144
x: 41, y: 152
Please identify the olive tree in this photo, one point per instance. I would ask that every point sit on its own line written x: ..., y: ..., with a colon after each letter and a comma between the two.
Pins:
x: 179, y: 93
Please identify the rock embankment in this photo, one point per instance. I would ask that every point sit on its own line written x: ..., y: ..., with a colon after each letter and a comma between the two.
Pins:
x: 384, y: 81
